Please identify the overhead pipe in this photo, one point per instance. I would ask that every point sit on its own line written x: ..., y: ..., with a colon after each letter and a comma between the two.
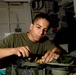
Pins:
x: 41, y: 5
x: 36, y: 5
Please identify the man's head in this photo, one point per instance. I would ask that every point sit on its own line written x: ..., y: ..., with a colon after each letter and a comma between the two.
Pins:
x: 39, y: 27
x: 42, y: 15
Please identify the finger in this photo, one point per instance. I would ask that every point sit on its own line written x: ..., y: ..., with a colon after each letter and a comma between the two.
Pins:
x: 50, y: 57
x: 23, y: 51
x: 45, y: 56
x: 18, y: 54
x: 56, y: 50
x: 27, y: 48
x: 29, y: 58
x: 42, y: 58
x: 56, y: 56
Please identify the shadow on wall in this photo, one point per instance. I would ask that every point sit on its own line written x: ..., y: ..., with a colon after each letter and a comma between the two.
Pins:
x: 61, y: 37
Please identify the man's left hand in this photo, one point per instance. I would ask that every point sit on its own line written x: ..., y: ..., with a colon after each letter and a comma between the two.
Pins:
x: 51, y: 55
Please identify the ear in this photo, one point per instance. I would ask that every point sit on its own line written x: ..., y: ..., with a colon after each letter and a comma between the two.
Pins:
x: 31, y: 25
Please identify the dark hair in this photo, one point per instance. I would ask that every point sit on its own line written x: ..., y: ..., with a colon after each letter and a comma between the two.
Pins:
x: 42, y: 15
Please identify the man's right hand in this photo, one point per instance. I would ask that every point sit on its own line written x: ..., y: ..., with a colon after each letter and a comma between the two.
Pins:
x: 22, y: 51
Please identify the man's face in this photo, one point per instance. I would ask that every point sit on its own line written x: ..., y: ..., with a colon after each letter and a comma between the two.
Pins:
x: 39, y: 29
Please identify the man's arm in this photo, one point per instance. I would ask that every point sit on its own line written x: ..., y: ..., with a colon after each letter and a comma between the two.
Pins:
x: 19, y: 51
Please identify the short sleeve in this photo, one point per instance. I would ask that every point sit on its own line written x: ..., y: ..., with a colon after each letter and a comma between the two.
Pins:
x: 7, y: 41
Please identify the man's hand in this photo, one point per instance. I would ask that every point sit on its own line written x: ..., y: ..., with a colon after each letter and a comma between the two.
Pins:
x: 21, y: 51
x: 51, y: 55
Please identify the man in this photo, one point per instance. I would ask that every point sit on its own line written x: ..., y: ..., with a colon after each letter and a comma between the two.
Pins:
x: 32, y: 42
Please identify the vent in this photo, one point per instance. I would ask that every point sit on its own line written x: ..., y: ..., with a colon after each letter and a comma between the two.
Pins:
x: 64, y: 2
x: 17, y: 0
